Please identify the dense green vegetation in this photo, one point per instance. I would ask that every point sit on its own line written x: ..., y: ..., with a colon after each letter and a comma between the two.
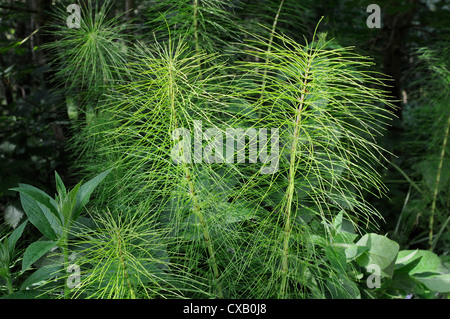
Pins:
x: 224, y: 149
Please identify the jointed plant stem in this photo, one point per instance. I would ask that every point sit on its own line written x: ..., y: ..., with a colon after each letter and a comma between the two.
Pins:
x: 195, y: 23
x: 206, y: 235
x: 122, y: 262
x: 290, y: 189
x: 196, y: 206
x: 197, y: 46
x: 269, y: 47
x: 436, y: 186
x: 274, y: 25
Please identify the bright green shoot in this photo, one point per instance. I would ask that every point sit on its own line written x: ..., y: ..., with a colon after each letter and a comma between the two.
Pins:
x: 8, y: 254
x: 54, y: 217
x: 330, y: 109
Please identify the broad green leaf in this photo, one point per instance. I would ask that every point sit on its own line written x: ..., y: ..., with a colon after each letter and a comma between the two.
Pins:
x: 341, y: 223
x: 60, y: 187
x: 39, y: 217
x: 53, y: 221
x: 82, y: 224
x: 402, y: 281
x: 434, y: 282
x: 344, y: 237
x: 35, y: 251
x: 342, y: 288
x: 406, y: 267
x: 381, y: 251
x: 5, y: 256
x: 68, y: 204
x: 405, y: 259
x: 445, y: 260
x: 85, y: 192
x: 354, y: 251
x: 15, y: 235
x: 343, y: 229
x: 337, y: 221
x: 41, y: 274
x: 429, y: 263
x: 236, y: 212
x: 39, y: 196
x: 337, y: 259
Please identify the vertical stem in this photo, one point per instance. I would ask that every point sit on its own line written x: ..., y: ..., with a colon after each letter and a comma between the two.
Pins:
x: 196, y: 205
x: 129, y: 7
x: 269, y: 48
x: 122, y: 262
x: 206, y: 235
x: 436, y: 186
x: 197, y: 44
x: 65, y: 251
x: 290, y: 190
x: 9, y: 281
x: 275, y: 22
x: 195, y: 22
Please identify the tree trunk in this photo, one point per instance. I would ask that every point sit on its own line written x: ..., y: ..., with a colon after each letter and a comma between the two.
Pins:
x: 129, y: 8
x: 395, y: 30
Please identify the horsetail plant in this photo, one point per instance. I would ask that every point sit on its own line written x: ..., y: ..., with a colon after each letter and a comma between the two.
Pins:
x: 85, y: 59
x: 122, y: 257
x: 430, y: 148
x: 170, y: 97
x: 330, y: 110
x: 229, y: 228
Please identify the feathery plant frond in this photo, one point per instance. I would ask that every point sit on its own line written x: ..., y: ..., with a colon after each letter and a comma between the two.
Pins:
x: 85, y: 59
x: 288, y: 16
x: 428, y: 129
x: 167, y: 93
x: 122, y: 257
x: 439, y: 80
x: 206, y: 24
x: 330, y: 110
